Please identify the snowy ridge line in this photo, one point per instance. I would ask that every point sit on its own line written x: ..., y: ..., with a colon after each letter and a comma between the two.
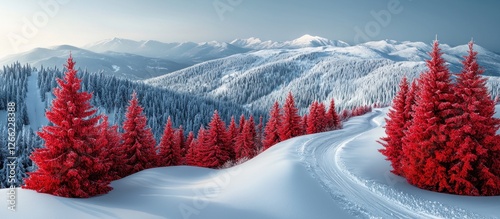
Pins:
x: 409, y: 203
x: 336, y: 195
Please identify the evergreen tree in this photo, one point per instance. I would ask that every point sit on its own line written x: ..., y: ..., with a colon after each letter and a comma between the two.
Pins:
x: 395, y: 129
x: 181, y: 144
x: 138, y: 141
x: 192, y: 156
x: 70, y: 165
x: 291, y: 121
x: 427, y: 155
x: 474, y: 139
x: 410, y: 103
x: 259, y: 145
x: 304, y: 123
x: 332, y: 118
x: 170, y: 152
x: 232, y: 133
x: 110, y: 141
x: 245, y: 143
x: 187, y: 146
x: 316, y: 118
x: 241, y: 124
x: 214, y: 151
x: 271, y: 132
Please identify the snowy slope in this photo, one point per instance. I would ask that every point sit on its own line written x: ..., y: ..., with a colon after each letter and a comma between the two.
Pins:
x: 118, y: 64
x: 353, y: 75
x: 338, y: 174
x: 34, y: 104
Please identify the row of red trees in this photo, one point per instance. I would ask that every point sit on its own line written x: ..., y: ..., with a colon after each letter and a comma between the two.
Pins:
x: 83, y: 153
x: 441, y: 136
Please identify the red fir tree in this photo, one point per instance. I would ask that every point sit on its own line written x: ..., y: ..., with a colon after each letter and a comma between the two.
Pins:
x: 241, y: 124
x: 170, y: 151
x: 214, y: 151
x: 138, y: 141
x: 232, y: 133
x: 474, y: 139
x: 332, y: 117
x: 187, y: 146
x: 271, y: 132
x: 304, y: 123
x: 70, y: 164
x: 345, y: 114
x: 180, y: 143
x: 110, y: 141
x: 395, y: 129
x: 259, y: 145
x: 410, y: 103
x: 316, y: 120
x: 192, y: 157
x: 245, y: 143
x: 189, y: 139
x: 291, y: 121
x: 427, y: 157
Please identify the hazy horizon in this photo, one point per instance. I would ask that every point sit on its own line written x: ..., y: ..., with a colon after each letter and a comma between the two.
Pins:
x: 46, y: 23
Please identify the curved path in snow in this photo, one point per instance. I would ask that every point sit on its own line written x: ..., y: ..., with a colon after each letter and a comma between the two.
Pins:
x: 361, y: 198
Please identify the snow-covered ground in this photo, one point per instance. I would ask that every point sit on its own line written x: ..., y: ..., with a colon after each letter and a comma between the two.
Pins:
x: 338, y: 174
x: 34, y: 104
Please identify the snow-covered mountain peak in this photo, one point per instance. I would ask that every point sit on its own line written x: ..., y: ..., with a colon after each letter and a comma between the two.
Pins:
x: 308, y: 40
x: 246, y: 42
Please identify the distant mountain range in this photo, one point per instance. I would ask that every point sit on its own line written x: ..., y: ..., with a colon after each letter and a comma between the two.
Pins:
x: 353, y: 75
x: 139, y: 60
x: 187, y: 52
x: 123, y: 65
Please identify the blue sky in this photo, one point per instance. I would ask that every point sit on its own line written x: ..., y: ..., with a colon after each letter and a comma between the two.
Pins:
x: 30, y: 24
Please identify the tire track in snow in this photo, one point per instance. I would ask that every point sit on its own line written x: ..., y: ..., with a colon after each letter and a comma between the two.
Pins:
x: 361, y: 198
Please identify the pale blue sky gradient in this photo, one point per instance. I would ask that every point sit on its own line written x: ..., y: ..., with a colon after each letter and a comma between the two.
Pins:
x: 79, y: 22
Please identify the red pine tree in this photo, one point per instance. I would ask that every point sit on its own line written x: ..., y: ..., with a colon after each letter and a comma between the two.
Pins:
x: 138, y: 141
x: 259, y: 145
x: 232, y: 133
x: 189, y: 139
x: 304, y: 123
x: 395, y: 129
x: 271, y: 134
x: 291, y: 121
x: 187, y: 146
x: 427, y: 155
x: 110, y: 142
x: 192, y: 156
x: 180, y: 143
x: 410, y: 103
x: 170, y: 151
x: 332, y: 118
x: 474, y: 138
x: 316, y: 118
x: 214, y: 151
x: 245, y: 143
x: 241, y: 124
x: 70, y: 164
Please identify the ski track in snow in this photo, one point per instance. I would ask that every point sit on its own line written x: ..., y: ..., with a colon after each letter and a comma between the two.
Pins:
x: 360, y: 197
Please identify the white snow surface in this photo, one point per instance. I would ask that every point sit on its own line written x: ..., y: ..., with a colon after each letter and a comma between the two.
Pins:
x: 34, y: 104
x: 338, y: 174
